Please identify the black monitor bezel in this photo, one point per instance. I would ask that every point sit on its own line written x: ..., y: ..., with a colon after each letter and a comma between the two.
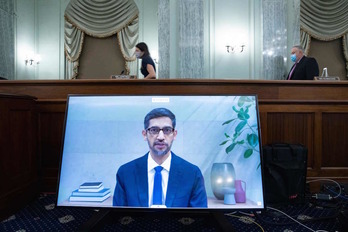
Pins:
x: 161, y: 210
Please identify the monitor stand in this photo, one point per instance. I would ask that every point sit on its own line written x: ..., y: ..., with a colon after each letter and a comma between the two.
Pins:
x: 214, y: 219
x: 221, y: 222
x: 95, y: 223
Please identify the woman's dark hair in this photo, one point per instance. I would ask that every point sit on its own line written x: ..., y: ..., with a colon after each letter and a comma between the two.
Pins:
x: 143, y: 47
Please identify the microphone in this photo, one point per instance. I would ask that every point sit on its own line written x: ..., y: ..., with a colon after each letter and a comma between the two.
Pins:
x: 324, y: 74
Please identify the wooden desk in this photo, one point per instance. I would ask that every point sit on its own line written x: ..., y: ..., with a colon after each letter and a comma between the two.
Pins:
x: 313, y: 113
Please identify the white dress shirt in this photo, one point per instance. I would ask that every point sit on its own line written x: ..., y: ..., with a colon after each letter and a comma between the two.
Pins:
x: 151, y: 164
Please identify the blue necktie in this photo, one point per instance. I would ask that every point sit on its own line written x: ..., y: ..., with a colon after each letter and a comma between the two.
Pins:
x: 157, y: 186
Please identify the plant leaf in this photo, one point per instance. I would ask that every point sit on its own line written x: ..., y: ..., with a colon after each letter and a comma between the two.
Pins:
x: 235, y: 109
x: 253, y: 139
x: 226, y: 135
x: 229, y: 121
x: 224, y: 142
x: 235, y: 136
x: 241, y: 101
x: 248, y: 153
x: 243, y: 115
x: 230, y: 148
x: 240, y: 126
x: 249, y: 99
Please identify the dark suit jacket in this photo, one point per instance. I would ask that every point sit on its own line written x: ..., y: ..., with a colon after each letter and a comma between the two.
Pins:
x: 306, y: 69
x: 185, y: 184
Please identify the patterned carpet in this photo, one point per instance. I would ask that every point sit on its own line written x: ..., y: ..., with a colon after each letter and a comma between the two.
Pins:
x: 42, y: 215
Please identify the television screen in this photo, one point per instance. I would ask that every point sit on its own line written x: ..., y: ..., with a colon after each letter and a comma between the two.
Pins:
x: 182, y: 152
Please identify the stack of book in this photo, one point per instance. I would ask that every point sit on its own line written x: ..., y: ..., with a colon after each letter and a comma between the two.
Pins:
x: 91, y: 192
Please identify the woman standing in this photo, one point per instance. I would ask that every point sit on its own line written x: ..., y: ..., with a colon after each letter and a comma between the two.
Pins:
x: 148, y: 68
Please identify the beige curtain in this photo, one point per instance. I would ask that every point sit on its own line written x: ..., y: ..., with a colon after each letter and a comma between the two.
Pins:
x: 324, y: 20
x: 100, y: 18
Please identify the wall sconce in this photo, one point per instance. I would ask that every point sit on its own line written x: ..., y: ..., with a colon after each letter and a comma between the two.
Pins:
x: 233, y: 49
x: 32, y: 59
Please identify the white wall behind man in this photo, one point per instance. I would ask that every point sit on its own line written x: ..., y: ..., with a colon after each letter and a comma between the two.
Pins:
x: 40, y: 28
x: 24, y: 38
x: 225, y: 22
x: 50, y: 38
x: 236, y: 22
x: 148, y: 27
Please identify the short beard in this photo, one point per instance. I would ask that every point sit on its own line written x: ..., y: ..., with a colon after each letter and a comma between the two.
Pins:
x: 160, y: 153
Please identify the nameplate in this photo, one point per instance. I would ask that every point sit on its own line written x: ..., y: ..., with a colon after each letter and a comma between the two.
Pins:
x: 326, y: 78
x: 158, y: 206
x: 123, y: 77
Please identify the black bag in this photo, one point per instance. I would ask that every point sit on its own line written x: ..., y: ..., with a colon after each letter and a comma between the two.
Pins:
x: 285, y: 171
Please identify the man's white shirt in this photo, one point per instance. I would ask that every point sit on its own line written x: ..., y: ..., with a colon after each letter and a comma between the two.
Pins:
x: 151, y: 164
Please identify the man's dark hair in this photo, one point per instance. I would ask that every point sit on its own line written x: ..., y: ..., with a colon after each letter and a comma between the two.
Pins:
x: 157, y: 113
x: 143, y: 47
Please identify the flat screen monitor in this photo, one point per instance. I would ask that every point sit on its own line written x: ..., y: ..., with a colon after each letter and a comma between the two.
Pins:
x: 208, y: 149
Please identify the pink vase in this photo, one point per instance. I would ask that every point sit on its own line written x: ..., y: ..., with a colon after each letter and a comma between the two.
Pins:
x: 240, y: 191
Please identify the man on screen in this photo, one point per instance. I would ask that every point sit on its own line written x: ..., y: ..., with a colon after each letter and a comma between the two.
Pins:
x: 159, y: 177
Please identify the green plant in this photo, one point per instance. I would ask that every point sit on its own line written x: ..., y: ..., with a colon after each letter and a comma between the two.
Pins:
x: 244, y: 134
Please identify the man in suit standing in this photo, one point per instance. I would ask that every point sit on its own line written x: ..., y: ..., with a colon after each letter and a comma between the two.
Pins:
x: 159, y: 178
x: 305, y: 68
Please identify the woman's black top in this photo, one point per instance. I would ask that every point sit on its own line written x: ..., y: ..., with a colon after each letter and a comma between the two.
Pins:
x: 145, y: 61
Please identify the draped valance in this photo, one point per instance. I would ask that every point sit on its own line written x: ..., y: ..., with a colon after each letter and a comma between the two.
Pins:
x: 324, y: 20
x: 100, y: 18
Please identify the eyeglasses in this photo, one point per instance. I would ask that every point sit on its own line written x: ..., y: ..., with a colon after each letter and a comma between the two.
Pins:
x: 156, y: 130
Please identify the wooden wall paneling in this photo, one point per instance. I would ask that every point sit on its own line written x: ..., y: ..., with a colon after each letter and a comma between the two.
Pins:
x: 317, y: 91
x: 19, y: 162
x: 18, y: 167
x: 317, y: 148
x: 263, y: 124
x: 335, y: 139
x: 51, y: 121
x: 295, y: 128
x: 329, y: 119
x: 291, y: 123
x: 266, y: 90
